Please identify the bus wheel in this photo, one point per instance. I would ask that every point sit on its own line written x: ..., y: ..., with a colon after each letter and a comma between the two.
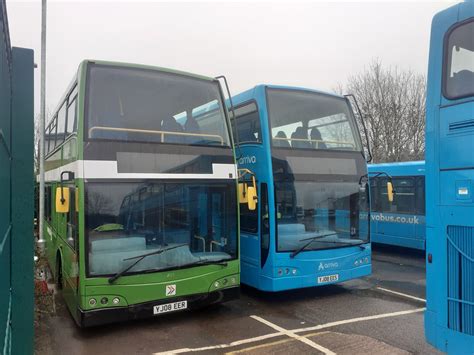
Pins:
x: 59, y: 272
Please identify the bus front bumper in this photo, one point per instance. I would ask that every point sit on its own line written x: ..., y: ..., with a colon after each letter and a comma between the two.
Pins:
x: 91, y: 318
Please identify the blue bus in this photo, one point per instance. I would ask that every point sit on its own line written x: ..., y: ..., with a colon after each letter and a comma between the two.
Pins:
x: 449, y: 318
x: 311, y: 226
x: 402, y: 221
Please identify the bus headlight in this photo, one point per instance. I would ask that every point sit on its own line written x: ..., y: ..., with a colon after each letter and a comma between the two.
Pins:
x: 92, y: 302
x: 116, y: 300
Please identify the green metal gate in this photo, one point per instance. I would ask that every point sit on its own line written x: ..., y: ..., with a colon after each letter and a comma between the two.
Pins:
x: 16, y: 194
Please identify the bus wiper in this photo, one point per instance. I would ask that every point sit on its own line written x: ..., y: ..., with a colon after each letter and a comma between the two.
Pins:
x: 360, y: 245
x: 220, y: 262
x: 140, y: 258
x: 310, y: 240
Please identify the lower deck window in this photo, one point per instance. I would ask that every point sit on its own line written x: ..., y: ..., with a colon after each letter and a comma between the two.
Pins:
x: 195, y: 222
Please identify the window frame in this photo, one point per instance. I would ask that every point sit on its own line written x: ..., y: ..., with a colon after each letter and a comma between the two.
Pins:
x: 228, y: 142
x: 228, y: 189
x: 354, y: 125
x: 72, y: 99
x: 377, y: 197
x: 444, y: 79
x: 59, y: 141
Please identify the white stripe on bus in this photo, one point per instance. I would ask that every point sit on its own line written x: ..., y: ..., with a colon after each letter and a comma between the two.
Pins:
x: 107, y: 169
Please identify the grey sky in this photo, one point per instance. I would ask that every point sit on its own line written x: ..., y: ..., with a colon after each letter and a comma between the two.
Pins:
x: 316, y: 45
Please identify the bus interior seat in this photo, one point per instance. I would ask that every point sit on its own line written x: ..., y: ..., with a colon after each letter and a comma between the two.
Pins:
x: 289, y: 235
x: 192, y: 126
x: 107, y: 255
x: 214, y: 255
x: 179, y: 236
x: 462, y: 82
x: 291, y: 228
x: 169, y: 124
x: 280, y: 142
x: 300, y: 133
x: 102, y: 246
x: 316, y: 135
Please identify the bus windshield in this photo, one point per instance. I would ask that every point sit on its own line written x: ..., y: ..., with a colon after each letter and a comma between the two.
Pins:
x: 307, y: 120
x: 335, y: 214
x: 125, y: 220
x: 144, y: 105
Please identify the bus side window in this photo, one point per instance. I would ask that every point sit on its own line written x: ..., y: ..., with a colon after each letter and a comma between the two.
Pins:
x: 249, y: 130
x: 264, y: 224
x: 459, y: 62
x: 72, y: 218
x: 61, y: 130
x: 71, y: 117
x: 374, y: 191
x: 420, y: 195
x: 404, y: 199
x: 47, y: 203
x: 248, y: 219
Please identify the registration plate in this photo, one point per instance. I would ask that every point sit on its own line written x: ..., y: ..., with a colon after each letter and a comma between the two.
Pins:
x: 328, y: 278
x: 170, y: 307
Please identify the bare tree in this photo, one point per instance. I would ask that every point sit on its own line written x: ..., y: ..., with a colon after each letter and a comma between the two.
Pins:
x: 392, y: 102
x: 37, y: 138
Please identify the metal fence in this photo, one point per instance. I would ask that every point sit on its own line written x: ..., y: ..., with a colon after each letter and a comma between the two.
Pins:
x: 16, y: 194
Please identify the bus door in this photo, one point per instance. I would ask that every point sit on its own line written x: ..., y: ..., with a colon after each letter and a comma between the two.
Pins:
x: 419, y: 221
x: 67, y: 229
x: 249, y: 234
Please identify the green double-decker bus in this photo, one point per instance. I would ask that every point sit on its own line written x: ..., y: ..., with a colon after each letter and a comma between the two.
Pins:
x: 141, y: 210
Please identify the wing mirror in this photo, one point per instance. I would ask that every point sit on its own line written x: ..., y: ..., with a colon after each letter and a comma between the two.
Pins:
x: 248, y: 194
x: 63, y: 193
x: 390, y: 191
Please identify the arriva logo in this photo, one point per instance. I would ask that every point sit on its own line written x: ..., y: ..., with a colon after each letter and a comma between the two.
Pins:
x: 327, y: 266
x: 248, y: 160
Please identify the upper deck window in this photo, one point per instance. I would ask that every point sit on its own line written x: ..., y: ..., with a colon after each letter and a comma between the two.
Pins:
x: 459, y: 64
x: 307, y: 120
x: 142, y: 105
x: 247, y: 128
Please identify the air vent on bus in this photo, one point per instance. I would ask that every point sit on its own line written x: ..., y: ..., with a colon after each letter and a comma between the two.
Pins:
x: 461, y: 279
x: 460, y: 125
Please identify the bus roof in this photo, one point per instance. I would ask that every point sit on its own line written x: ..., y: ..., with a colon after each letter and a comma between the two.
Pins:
x: 250, y: 93
x: 143, y: 66
x: 399, y: 168
x: 84, y: 63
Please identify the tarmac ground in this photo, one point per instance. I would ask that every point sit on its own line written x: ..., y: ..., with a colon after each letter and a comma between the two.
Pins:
x: 379, y: 314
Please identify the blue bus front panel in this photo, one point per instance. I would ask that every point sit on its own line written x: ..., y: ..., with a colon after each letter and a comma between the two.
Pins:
x: 307, y: 269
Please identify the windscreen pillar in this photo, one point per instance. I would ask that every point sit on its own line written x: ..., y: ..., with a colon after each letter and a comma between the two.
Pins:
x: 22, y: 194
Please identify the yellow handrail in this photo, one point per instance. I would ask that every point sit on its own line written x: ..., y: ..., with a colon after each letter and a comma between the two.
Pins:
x: 162, y: 133
x: 313, y: 140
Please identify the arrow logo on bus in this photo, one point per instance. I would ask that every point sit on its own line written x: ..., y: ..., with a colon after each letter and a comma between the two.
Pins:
x: 170, y: 290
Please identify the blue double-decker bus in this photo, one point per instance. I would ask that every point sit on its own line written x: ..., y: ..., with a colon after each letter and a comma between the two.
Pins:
x: 400, y: 222
x: 449, y: 319
x: 311, y: 224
